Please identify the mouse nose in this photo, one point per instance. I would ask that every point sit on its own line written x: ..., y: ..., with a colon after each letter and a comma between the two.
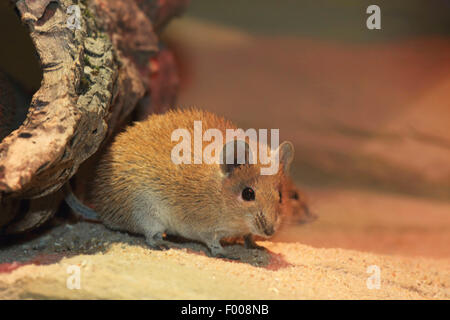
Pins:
x: 270, y: 230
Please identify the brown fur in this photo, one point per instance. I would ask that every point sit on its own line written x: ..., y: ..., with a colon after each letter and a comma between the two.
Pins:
x: 139, y: 189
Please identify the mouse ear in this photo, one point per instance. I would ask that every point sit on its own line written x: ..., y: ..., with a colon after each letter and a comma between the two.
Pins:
x: 235, y: 153
x: 286, y: 155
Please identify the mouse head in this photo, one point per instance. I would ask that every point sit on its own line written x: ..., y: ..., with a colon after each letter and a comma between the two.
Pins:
x: 253, y: 200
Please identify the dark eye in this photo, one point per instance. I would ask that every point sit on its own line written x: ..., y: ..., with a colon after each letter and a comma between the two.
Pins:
x: 295, y: 195
x: 248, y: 194
x: 279, y: 192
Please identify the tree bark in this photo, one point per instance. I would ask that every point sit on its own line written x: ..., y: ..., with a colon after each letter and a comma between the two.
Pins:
x: 94, y: 76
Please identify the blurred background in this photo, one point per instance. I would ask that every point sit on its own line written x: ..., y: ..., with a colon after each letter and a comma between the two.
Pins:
x: 367, y: 110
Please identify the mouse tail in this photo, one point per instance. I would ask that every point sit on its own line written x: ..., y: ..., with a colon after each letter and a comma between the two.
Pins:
x: 76, y: 205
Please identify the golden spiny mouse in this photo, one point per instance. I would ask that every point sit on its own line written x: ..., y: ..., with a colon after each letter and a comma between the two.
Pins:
x: 138, y: 188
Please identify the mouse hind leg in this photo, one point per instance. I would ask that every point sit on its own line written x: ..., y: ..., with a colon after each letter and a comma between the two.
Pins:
x: 155, y: 239
x: 154, y: 236
x: 153, y: 230
x: 216, y: 248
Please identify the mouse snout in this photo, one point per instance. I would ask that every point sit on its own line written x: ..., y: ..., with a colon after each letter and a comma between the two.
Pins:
x: 265, y: 227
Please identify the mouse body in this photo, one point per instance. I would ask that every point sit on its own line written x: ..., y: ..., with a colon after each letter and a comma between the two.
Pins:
x: 138, y: 188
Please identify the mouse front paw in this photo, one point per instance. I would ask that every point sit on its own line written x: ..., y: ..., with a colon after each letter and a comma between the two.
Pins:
x: 251, y: 244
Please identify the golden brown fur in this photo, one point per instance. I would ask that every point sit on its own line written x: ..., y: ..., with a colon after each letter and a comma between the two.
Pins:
x: 139, y: 189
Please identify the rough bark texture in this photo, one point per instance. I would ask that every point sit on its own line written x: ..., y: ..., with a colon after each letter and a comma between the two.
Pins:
x: 93, y: 77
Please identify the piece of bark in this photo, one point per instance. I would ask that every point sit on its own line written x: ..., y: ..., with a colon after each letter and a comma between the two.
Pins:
x: 93, y: 77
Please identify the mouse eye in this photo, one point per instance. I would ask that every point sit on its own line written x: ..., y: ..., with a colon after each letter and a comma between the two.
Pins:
x: 248, y: 194
x: 279, y: 192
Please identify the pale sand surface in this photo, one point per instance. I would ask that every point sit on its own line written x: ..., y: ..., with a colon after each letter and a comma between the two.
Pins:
x: 134, y: 272
x: 118, y: 265
x: 374, y: 221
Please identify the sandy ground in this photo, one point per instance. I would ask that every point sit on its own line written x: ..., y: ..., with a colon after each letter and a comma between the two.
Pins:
x: 285, y: 271
x: 119, y: 265
x: 372, y: 221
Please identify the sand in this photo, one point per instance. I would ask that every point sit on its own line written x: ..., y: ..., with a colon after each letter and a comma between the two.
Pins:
x: 285, y: 271
x: 115, y: 265
x: 405, y: 236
